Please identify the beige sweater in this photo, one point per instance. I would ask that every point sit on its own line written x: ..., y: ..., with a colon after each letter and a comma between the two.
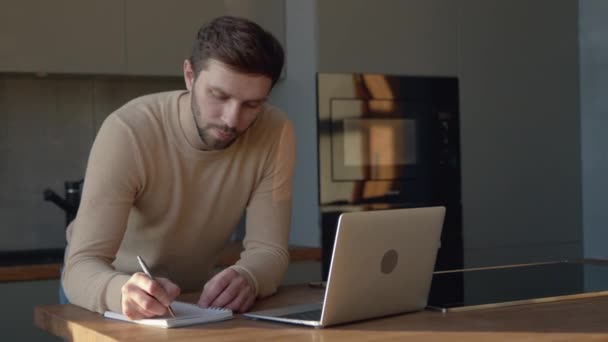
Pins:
x: 150, y: 190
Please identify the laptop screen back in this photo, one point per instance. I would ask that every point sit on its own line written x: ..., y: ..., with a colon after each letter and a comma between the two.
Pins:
x: 382, y: 263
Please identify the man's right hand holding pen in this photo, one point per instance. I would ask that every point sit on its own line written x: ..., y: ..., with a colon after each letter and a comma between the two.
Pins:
x: 143, y: 297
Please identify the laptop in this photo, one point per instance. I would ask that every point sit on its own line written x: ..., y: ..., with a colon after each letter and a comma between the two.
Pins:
x: 382, y: 264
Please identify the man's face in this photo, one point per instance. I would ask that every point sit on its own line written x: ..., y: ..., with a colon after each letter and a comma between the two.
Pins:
x: 224, y: 102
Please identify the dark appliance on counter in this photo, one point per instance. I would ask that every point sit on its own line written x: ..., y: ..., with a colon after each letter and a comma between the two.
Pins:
x: 70, y: 203
x: 387, y: 141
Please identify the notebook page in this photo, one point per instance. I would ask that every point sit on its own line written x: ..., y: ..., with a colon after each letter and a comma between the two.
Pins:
x: 186, y: 314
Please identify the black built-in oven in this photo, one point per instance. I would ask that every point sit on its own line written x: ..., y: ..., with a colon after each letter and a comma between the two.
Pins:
x: 387, y: 141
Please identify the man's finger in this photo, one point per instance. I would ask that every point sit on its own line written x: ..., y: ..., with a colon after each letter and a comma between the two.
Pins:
x: 237, y: 303
x: 170, y: 288
x: 230, y: 293
x: 215, y: 287
x: 248, y: 303
x: 153, y: 288
x: 147, y: 304
x: 137, y: 304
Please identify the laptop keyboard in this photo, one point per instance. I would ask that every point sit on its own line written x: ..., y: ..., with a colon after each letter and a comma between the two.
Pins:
x: 313, y: 315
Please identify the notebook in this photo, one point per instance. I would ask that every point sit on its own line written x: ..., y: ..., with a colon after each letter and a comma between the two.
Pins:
x: 185, y: 314
x: 382, y: 264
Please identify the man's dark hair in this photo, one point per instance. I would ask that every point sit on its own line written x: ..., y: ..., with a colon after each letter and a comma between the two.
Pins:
x: 239, y: 43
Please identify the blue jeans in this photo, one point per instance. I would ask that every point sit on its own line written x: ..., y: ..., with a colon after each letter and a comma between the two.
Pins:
x: 63, y: 299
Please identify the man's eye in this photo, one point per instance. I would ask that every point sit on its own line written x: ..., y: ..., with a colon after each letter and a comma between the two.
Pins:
x: 218, y: 95
x: 253, y: 105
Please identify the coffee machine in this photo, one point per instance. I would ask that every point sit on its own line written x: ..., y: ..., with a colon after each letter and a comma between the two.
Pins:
x: 70, y: 203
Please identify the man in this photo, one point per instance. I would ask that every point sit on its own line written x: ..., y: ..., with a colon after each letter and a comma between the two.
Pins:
x: 170, y: 175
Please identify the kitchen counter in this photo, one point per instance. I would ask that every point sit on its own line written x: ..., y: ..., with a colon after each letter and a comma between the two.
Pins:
x: 44, y: 270
x: 570, y: 320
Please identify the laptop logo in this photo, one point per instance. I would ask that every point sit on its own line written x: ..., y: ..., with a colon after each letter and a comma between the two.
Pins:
x: 389, y: 261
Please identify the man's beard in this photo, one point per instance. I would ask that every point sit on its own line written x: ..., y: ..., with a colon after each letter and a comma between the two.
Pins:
x: 211, y: 142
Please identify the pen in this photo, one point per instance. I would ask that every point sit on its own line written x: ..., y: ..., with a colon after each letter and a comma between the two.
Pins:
x: 144, y: 267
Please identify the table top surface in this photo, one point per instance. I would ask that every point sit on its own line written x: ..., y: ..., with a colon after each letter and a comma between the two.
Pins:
x: 579, y: 319
x: 501, y: 285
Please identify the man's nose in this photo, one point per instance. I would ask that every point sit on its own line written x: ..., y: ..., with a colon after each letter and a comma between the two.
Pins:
x: 230, y: 115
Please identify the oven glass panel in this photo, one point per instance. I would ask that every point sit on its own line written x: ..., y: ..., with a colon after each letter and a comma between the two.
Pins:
x: 375, y: 139
x: 379, y: 142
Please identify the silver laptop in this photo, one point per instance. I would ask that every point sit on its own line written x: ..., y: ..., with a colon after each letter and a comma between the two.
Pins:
x: 382, y: 264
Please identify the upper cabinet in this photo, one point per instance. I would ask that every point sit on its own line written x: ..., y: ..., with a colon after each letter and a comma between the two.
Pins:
x: 125, y: 37
x: 62, y: 36
x: 408, y: 37
x: 160, y: 33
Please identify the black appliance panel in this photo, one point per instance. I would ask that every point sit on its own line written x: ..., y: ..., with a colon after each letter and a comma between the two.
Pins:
x: 387, y: 141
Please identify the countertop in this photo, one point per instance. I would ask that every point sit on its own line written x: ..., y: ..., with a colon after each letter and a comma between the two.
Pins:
x: 50, y: 270
x: 570, y: 320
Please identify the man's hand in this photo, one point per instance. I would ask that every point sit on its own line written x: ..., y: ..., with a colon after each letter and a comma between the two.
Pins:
x: 143, y: 297
x: 228, y: 289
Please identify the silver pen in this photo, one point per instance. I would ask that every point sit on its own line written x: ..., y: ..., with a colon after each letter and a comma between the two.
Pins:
x: 144, y: 268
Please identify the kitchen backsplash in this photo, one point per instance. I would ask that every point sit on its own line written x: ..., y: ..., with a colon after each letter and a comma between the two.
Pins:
x: 47, y: 127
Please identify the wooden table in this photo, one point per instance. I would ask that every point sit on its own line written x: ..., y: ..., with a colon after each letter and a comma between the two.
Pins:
x: 571, y: 320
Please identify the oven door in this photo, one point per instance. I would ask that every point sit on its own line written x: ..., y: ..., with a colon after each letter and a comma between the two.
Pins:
x: 379, y: 139
x: 383, y: 150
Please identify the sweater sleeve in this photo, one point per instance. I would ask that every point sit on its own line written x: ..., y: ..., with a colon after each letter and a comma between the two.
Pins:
x: 265, y: 257
x: 111, y: 185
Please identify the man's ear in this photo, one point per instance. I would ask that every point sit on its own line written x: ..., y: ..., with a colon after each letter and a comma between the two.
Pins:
x: 188, y: 74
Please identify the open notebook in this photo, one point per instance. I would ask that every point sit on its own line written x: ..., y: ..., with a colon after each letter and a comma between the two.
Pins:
x: 185, y: 314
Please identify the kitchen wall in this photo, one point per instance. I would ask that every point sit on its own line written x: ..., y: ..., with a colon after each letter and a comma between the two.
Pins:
x: 48, y: 128
x: 296, y: 94
x: 594, y: 120
x: 593, y: 40
x: 517, y: 62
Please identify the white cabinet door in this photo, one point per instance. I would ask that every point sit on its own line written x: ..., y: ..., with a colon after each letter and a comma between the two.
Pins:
x: 160, y: 33
x: 62, y: 36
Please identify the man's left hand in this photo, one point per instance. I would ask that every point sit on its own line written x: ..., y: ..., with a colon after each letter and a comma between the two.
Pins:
x: 228, y: 289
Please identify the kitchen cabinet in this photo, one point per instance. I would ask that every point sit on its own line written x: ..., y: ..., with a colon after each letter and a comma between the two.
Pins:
x: 159, y: 33
x: 406, y: 37
x: 520, y: 131
x: 62, y: 36
x: 121, y: 37
x: 18, y: 301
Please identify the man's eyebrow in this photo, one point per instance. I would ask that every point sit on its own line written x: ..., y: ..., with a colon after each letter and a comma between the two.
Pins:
x: 218, y: 89
x: 223, y: 92
x: 263, y: 99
